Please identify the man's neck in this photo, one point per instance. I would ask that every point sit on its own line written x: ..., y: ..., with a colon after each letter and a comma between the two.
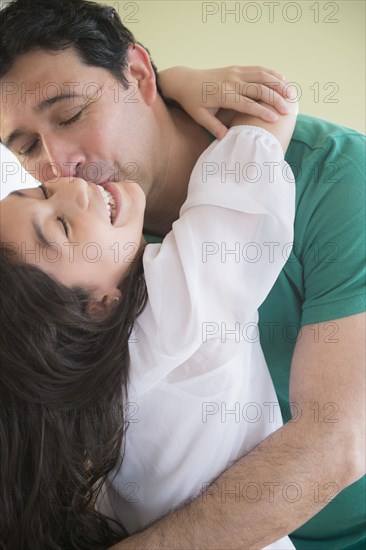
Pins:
x: 186, y: 140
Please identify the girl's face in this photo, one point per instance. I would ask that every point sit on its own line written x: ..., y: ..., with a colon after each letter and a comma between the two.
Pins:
x: 65, y: 228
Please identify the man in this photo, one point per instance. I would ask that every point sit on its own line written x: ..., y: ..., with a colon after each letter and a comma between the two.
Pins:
x: 62, y: 115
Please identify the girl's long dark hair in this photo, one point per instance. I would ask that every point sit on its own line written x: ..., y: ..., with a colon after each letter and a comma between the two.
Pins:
x: 63, y: 387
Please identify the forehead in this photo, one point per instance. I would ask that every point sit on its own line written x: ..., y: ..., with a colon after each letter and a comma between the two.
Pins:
x: 39, y: 75
x: 15, y: 216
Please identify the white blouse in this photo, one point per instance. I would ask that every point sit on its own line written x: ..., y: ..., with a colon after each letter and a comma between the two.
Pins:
x: 200, y: 393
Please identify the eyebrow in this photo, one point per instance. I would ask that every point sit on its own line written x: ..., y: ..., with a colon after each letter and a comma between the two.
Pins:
x: 49, y: 102
x: 43, y: 106
x: 35, y: 223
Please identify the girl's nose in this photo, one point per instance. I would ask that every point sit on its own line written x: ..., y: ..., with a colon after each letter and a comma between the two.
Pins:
x: 74, y: 193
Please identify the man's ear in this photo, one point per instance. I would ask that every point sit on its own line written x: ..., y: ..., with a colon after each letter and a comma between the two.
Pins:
x: 99, y: 307
x: 141, y: 70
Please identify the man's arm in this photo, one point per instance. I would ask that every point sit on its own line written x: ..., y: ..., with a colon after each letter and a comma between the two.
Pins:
x: 319, y: 453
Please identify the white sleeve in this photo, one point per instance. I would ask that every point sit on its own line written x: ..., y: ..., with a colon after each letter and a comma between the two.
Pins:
x: 230, y: 243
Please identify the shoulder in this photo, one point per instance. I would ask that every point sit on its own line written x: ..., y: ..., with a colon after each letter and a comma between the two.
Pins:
x: 317, y: 136
x: 328, y: 162
x: 241, y: 141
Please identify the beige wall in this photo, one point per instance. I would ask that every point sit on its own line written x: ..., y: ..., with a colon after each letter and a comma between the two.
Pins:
x: 322, y: 49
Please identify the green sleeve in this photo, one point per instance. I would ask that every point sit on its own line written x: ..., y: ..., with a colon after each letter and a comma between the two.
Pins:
x: 330, y: 224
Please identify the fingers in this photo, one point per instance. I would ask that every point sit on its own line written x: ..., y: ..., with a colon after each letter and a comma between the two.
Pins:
x: 256, y: 91
x: 270, y: 90
x: 251, y: 107
x: 260, y: 92
x: 261, y: 75
x: 211, y: 123
x: 280, y: 76
x: 278, y: 85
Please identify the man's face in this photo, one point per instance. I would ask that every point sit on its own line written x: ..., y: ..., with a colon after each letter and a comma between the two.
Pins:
x: 61, y: 117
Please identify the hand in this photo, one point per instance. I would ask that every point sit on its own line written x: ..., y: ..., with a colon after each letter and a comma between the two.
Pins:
x: 202, y: 93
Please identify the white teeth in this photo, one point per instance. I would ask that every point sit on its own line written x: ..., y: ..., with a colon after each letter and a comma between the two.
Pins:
x: 108, y: 201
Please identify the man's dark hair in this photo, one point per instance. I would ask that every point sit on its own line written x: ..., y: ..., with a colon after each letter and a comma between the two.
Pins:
x: 95, y: 31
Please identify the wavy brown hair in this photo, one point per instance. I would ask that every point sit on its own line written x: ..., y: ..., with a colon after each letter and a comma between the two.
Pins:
x: 63, y: 388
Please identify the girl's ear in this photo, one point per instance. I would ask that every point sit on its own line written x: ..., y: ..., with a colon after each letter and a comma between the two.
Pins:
x: 142, y: 72
x: 102, y: 306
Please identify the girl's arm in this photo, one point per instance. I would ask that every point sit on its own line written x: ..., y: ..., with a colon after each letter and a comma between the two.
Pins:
x: 282, y: 128
x: 203, y: 94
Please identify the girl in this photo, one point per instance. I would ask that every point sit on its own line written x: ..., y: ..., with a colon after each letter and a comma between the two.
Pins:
x: 166, y: 346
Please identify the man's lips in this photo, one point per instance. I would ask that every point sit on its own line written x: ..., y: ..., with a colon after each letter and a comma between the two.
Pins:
x: 102, y: 183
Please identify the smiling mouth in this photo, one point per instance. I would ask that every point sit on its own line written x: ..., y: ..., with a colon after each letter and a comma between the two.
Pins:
x: 109, y: 202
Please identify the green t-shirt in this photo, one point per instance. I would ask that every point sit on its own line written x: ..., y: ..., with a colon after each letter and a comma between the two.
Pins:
x: 322, y: 280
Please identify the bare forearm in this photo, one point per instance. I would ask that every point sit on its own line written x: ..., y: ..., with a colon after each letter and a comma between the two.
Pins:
x: 283, y: 128
x: 267, y: 494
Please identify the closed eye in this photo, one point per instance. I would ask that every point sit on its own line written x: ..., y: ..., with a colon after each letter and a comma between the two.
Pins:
x: 64, y: 223
x: 44, y: 190
x: 72, y: 119
x: 30, y: 149
x: 59, y: 218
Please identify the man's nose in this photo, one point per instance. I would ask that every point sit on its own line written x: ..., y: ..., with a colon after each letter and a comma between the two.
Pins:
x: 62, y: 158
